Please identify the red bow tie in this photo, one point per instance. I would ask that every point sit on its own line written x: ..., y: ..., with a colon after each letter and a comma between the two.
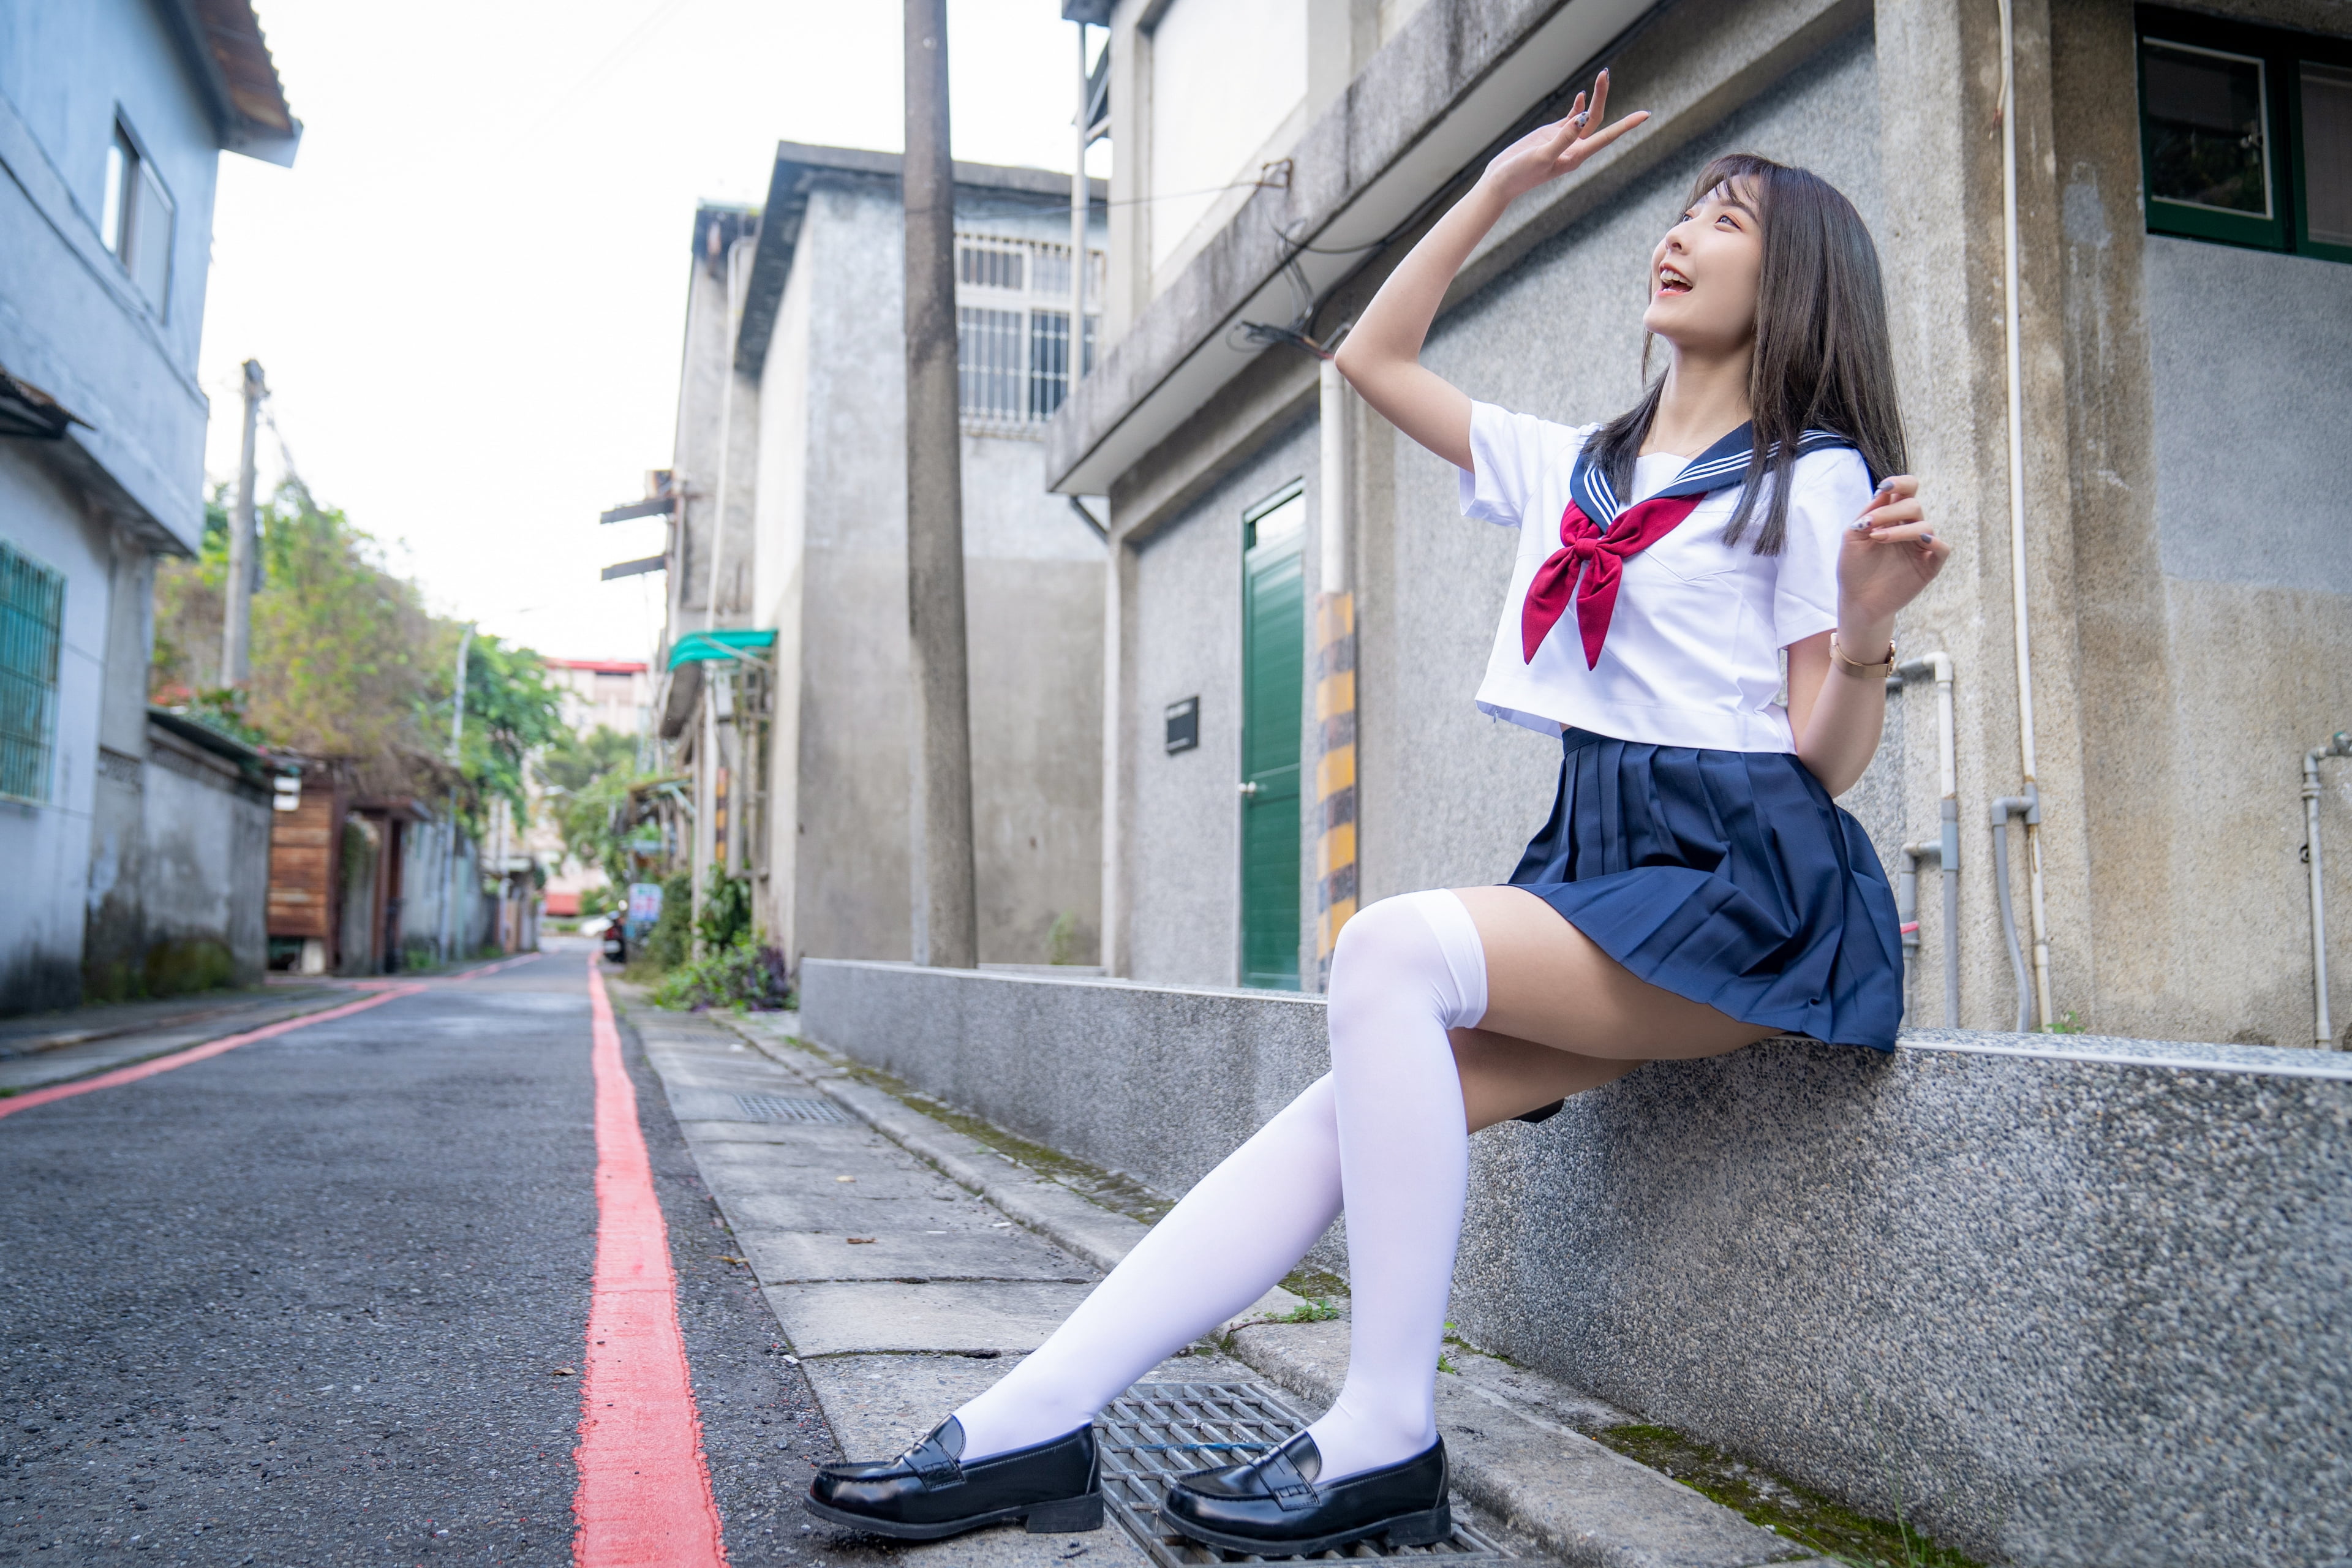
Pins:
x: 1601, y: 559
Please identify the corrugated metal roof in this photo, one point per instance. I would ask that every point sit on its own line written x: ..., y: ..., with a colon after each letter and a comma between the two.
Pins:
x: 247, y: 96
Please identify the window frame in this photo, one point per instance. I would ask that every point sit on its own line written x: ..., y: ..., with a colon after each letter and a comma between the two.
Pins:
x: 978, y: 290
x: 25, y: 638
x: 135, y: 191
x: 2338, y: 58
x: 2282, y: 54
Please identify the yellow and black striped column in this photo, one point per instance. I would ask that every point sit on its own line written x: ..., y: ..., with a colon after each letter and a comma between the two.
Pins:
x: 1335, y: 773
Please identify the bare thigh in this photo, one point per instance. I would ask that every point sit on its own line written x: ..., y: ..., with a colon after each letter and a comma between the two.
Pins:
x: 1563, y: 1016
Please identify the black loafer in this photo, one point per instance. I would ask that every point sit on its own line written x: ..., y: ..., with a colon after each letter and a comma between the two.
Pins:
x: 926, y: 1493
x: 1269, y: 1508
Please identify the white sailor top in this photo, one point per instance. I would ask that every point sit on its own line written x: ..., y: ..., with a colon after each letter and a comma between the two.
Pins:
x: 1688, y: 652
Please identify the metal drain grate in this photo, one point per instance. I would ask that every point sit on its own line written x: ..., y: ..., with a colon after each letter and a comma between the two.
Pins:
x: 780, y: 1108
x: 1159, y: 1430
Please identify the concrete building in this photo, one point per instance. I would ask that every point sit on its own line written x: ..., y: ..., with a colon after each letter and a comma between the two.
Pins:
x: 2183, y: 200
x: 603, y: 693
x: 598, y: 694
x: 785, y: 661
x: 113, y: 115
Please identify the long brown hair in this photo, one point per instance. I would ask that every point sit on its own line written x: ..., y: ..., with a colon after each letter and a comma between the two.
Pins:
x: 1821, y: 360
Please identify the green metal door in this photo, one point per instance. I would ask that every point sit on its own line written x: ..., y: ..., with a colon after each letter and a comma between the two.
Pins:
x: 1274, y: 671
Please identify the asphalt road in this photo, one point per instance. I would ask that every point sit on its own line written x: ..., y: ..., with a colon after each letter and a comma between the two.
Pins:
x: 321, y: 1299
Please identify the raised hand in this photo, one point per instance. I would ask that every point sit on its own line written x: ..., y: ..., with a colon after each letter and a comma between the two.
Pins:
x: 1550, y: 150
x: 1891, y: 553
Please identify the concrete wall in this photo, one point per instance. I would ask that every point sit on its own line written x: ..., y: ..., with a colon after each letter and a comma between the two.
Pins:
x: 830, y: 575
x: 47, y: 844
x: 2185, y: 553
x: 2208, y: 388
x: 204, y: 876
x: 1183, y: 638
x: 70, y: 320
x: 128, y: 482
x: 2080, y: 1297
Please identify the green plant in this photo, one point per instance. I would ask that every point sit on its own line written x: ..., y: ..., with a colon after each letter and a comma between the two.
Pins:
x: 1821, y: 1523
x: 1314, y: 1310
x: 2066, y: 1026
x: 666, y: 946
x: 1062, y: 939
x: 726, y: 911
x: 744, y: 973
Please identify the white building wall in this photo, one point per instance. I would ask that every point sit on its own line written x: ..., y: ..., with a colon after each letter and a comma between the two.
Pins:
x: 46, y: 846
x: 1228, y: 86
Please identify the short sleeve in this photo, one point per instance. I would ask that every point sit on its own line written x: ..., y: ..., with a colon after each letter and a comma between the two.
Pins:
x: 1507, y: 454
x: 1828, y: 492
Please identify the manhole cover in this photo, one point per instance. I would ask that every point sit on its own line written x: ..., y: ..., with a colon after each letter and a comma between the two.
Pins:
x: 781, y: 1108
x: 1157, y: 1431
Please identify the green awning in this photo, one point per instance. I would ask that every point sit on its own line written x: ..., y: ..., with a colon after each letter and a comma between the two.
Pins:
x: 695, y: 646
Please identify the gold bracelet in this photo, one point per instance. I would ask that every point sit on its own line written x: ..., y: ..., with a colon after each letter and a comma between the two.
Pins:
x: 1880, y: 671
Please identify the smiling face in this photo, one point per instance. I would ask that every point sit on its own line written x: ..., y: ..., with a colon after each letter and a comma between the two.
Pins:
x: 1703, y: 276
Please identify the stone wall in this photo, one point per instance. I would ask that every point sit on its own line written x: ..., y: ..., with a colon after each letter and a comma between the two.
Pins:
x: 2083, y: 1298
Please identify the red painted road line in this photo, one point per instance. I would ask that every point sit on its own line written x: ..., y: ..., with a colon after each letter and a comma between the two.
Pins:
x: 644, y: 1496
x: 494, y: 968
x: 138, y: 1070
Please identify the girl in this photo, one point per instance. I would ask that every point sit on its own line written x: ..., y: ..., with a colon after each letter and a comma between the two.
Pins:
x: 1693, y: 892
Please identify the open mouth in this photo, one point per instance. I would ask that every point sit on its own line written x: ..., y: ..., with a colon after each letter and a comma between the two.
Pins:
x: 1672, y: 282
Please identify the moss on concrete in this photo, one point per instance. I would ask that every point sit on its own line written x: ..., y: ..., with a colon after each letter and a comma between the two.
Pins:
x: 1314, y: 1284
x: 1806, y: 1517
x: 1120, y: 1194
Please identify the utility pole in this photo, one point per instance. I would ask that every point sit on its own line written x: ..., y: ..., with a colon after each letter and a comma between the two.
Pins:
x: 450, y: 931
x: 946, y: 917
x: 236, y: 624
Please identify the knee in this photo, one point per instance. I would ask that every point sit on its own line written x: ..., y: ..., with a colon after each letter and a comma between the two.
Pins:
x: 1398, y: 950
x: 1379, y: 942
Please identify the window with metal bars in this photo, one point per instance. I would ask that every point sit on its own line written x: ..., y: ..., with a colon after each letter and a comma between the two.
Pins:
x: 991, y: 364
x: 1013, y: 347
x: 32, y: 611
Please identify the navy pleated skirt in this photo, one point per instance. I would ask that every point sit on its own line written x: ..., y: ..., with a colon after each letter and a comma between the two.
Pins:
x: 1730, y: 878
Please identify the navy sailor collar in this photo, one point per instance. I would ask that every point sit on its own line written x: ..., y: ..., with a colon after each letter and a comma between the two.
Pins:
x: 1725, y: 463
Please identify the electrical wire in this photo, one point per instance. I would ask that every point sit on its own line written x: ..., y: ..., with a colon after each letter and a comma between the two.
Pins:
x: 1259, y: 334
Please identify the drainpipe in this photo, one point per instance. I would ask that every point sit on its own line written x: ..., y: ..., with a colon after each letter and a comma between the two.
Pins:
x: 2011, y: 328
x: 1074, y: 357
x: 1906, y: 909
x: 2339, y: 744
x: 2028, y: 805
x: 1937, y: 666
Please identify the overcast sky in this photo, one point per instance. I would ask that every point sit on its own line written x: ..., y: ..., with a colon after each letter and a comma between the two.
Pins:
x: 468, y: 292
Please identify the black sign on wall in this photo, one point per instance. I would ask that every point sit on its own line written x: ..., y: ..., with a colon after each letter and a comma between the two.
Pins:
x: 1183, y: 725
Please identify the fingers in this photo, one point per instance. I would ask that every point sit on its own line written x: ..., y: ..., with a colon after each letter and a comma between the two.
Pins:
x: 1893, y: 503
x: 1601, y: 138
x: 1600, y: 98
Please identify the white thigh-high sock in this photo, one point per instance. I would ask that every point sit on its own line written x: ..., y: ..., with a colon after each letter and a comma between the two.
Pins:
x: 1406, y: 969
x: 1244, y: 1226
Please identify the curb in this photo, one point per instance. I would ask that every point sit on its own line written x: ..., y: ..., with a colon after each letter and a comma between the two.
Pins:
x: 1574, y: 1498
x: 1071, y: 1222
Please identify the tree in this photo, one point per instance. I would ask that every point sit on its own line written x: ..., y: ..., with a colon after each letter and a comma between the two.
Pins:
x: 511, y: 712
x: 586, y: 779
x: 347, y: 662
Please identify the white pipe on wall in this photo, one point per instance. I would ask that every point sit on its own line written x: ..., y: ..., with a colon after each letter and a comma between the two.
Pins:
x: 1937, y: 666
x: 2323, y: 1032
x: 1077, y: 353
x: 2010, y: 329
